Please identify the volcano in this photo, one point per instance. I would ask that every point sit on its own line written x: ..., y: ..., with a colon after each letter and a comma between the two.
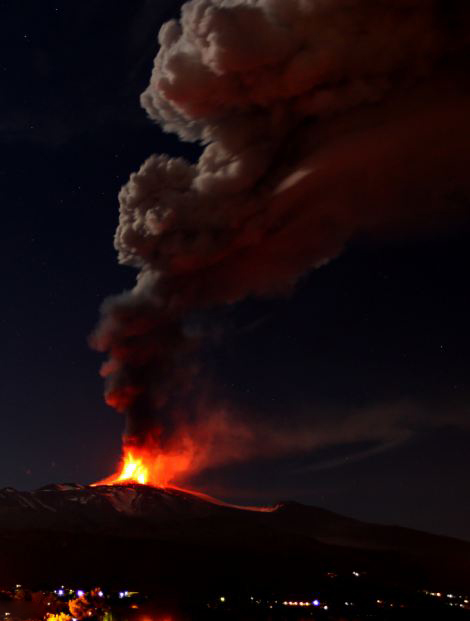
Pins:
x: 141, y: 536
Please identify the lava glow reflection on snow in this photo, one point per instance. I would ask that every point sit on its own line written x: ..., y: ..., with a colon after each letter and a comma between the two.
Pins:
x: 148, y: 466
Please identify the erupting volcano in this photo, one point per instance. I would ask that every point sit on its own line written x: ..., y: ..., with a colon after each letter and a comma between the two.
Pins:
x: 149, y: 465
x: 146, y: 466
x: 287, y: 119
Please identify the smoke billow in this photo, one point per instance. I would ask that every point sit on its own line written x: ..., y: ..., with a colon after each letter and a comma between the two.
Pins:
x: 319, y: 121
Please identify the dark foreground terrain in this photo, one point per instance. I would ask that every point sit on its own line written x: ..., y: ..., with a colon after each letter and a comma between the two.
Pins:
x: 172, y: 542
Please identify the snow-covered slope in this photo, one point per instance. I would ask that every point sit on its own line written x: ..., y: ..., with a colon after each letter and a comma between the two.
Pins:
x: 75, y: 506
x: 141, y: 532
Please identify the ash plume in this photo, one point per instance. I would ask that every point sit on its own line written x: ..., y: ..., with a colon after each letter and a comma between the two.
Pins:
x: 319, y: 121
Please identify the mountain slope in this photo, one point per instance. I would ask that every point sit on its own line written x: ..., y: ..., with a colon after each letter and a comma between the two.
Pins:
x: 142, y: 535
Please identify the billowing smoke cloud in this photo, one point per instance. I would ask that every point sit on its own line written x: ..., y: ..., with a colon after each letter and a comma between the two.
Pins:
x: 320, y: 121
x: 221, y: 435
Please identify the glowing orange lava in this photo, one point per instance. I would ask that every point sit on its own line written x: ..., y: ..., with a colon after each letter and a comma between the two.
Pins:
x: 149, y: 465
x: 134, y: 469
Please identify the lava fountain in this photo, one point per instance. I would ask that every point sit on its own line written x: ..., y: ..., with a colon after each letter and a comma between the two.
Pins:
x: 133, y: 469
x: 150, y: 465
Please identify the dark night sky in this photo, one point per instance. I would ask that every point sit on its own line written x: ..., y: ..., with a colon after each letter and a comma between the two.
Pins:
x: 381, y: 332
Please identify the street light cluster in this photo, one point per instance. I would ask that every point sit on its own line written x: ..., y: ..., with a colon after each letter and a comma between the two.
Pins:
x: 315, y: 603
